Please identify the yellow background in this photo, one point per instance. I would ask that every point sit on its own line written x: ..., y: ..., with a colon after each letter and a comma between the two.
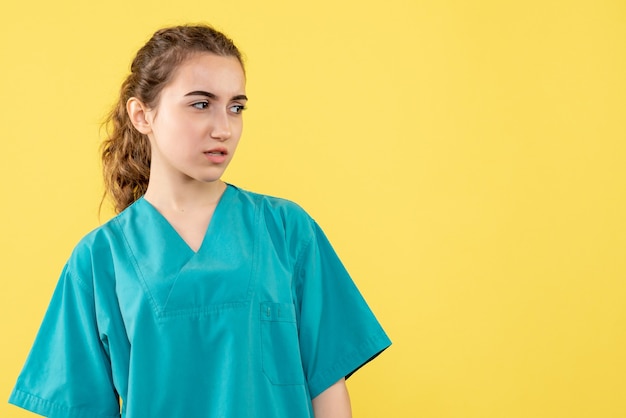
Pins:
x: 466, y: 158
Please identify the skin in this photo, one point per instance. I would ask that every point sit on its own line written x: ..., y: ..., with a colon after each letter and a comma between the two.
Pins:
x: 199, y: 110
x: 334, y: 402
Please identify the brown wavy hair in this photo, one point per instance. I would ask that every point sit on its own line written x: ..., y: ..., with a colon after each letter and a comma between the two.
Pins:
x: 126, y: 151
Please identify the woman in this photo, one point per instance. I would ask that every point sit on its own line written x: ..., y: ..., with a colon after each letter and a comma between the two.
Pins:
x: 199, y: 299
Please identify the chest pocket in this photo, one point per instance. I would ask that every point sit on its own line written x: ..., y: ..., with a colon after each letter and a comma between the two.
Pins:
x: 280, y: 346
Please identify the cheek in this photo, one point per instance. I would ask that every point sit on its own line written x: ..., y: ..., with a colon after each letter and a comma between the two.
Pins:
x: 237, y: 127
x: 190, y: 128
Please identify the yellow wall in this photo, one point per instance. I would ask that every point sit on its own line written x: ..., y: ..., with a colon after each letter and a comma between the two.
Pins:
x: 466, y: 158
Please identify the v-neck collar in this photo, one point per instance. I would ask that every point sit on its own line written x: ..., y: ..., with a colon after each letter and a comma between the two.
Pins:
x: 173, y: 237
x: 179, y: 281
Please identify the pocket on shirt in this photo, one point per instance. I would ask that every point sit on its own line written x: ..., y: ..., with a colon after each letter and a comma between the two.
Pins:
x: 280, y: 347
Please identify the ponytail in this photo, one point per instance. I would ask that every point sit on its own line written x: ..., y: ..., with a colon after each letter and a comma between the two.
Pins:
x: 125, y: 156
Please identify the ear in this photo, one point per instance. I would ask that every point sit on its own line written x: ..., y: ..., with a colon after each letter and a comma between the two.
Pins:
x: 138, y: 114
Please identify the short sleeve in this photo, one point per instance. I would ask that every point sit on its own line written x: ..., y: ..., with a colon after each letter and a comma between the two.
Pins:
x: 338, y: 331
x: 68, y: 373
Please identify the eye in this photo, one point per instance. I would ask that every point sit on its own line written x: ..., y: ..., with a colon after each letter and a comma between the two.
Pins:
x: 200, y: 105
x: 237, y: 108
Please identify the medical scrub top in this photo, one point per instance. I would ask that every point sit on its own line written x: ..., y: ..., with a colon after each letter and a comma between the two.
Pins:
x: 256, y: 323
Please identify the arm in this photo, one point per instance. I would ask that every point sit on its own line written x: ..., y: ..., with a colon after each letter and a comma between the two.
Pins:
x: 334, y: 402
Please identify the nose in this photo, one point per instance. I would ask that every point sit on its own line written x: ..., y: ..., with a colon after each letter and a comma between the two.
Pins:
x: 221, y: 129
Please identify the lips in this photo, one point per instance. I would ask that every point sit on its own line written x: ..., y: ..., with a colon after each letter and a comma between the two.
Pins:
x: 216, y: 155
x: 217, y: 151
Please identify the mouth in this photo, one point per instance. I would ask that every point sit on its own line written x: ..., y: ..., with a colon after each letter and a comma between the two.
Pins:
x: 216, y: 155
x: 217, y: 152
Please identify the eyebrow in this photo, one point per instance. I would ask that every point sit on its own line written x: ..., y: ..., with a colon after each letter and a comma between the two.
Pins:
x: 213, y: 96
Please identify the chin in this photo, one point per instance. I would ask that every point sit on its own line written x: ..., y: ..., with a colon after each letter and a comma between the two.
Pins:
x: 208, y: 179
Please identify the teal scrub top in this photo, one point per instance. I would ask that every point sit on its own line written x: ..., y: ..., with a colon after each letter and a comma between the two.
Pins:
x: 256, y: 323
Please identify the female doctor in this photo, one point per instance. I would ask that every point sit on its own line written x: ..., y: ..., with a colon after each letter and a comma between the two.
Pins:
x: 199, y: 299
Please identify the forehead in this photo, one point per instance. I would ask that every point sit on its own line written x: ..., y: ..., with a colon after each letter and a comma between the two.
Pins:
x: 206, y: 71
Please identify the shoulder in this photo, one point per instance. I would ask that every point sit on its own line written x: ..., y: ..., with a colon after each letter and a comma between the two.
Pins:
x: 278, y: 210
x: 270, y: 202
x: 282, y: 223
x: 97, y: 249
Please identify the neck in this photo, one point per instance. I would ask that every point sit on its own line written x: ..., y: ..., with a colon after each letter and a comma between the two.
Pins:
x: 184, y: 197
